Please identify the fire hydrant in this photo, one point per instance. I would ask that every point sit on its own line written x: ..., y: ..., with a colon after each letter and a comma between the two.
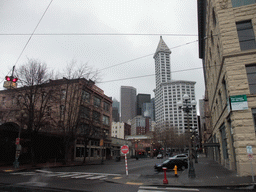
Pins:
x: 165, y: 181
x: 176, y: 171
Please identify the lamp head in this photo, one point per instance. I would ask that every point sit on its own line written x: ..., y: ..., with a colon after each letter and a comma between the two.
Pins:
x: 193, y: 103
x: 179, y: 103
x: 185, y: 97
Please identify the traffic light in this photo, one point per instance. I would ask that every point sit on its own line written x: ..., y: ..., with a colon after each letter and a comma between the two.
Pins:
x: 10, y: 82
x: 14, y: 80
x: 8, y: 78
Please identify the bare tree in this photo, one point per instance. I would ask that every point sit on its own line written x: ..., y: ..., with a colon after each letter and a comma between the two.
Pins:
x: 69, y: 105
x: 33, y: 98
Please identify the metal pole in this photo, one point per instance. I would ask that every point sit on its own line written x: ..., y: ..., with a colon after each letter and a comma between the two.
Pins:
x: 191, y: 171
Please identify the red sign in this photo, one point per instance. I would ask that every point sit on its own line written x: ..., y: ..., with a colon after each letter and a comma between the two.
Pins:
x: 17, y: 142
x: 250, y: 156
x: 124, y: 149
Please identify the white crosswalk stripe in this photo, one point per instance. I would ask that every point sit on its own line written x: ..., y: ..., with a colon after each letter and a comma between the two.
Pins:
x: 73, y: 175
x: 165, y: 189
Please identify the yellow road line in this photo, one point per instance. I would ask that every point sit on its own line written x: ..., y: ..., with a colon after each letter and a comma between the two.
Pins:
x: 131, y: 183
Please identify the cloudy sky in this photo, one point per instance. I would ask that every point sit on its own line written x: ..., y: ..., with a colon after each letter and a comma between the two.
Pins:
x: 117, y: 37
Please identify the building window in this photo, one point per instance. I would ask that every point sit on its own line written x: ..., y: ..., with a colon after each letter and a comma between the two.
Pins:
x: 85, y: 96
x: 105, y: 120
x: 238, y: 3
x: 96, y: 116
x: 96, y: 102
x: 106, y: 106
x: 63, y: 94
x: 251, y: 75
x: 62, y: 108
x: 254, y: 117
x: 84, y: 112
x: 246, y: 35
x: 224, y: 141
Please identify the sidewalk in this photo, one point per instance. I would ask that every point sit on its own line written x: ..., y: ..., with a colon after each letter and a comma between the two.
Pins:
x: 208, y: 174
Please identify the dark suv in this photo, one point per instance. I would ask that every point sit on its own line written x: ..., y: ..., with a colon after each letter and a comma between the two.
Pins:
x: 170, y: 163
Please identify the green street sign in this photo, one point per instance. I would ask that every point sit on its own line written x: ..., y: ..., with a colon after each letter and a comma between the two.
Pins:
x: 238, y: 102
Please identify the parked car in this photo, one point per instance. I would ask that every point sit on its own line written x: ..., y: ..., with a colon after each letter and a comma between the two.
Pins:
x: 180, y: 156
x: 170, y: 163
x: 159, y: 156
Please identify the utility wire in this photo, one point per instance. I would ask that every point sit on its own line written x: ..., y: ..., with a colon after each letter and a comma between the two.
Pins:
x: 100, y: 34
x: 145, y: 56
x: 184, y: 70
x: 33, y: 33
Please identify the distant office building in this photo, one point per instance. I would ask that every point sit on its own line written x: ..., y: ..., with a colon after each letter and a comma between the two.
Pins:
x: 153, y: 105
x: 128, y: 103
x: 141, y: 99
x: 140, y: 125
x: 168, y: 92
x: 147, y: 110
x: 115, y: 114
x: 116, y: 104
x: 120, y: 130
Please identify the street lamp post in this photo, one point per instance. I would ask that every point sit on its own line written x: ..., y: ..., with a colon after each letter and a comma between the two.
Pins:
x: 105, y: 134
x: 187, y: 109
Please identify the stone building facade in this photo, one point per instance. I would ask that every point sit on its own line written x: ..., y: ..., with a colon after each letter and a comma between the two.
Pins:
x: 227, y: 48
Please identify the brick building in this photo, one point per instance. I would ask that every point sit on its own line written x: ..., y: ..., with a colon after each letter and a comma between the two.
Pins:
x: 75, y: 109
x: 227, y: 48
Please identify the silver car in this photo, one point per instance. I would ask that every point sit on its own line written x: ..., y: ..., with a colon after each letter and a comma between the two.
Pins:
x: 180, y: 156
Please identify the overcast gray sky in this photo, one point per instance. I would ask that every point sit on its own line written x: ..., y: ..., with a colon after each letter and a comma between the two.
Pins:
x: 127, y: 23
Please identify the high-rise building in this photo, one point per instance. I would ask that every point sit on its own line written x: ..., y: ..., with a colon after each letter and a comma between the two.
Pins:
x: 115, y: 111
x: 140, y: 125
x: 142, y: 98
x: 227, y: 48
x: 168, y: 92
x: 128, y: 103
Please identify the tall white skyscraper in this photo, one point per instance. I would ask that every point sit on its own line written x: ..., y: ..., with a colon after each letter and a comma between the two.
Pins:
x: 168, y: 92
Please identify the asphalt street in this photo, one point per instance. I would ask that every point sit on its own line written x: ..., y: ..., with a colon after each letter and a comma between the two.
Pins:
x: 91, y: 178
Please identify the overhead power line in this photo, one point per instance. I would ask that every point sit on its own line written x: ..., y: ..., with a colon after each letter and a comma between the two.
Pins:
x: 33, y: 33
x: 184, y: 70
x: 144, y: 56
x: 101, y: 34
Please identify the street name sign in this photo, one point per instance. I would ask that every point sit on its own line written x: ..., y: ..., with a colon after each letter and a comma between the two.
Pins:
x: 238, y: 102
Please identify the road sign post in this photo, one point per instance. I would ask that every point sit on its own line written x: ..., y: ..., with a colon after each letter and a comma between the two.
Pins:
x: 250, y: 156
x: 125, y: 150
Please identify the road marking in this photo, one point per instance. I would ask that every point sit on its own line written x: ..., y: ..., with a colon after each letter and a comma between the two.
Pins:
x: 70, y: 175
x: 133, y: 183
x: 97, y: 177
x: 24, y: 173
x: 73, y: 175
x: 144, y: 188
x: 82, y: 176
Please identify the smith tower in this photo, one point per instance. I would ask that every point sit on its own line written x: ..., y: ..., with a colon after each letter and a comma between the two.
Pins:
x: 163, y: 75
x: 168, y: 92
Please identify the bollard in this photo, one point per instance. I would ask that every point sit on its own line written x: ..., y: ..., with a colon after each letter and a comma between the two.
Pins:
x: 165, y: 181
x: 176, y: 171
